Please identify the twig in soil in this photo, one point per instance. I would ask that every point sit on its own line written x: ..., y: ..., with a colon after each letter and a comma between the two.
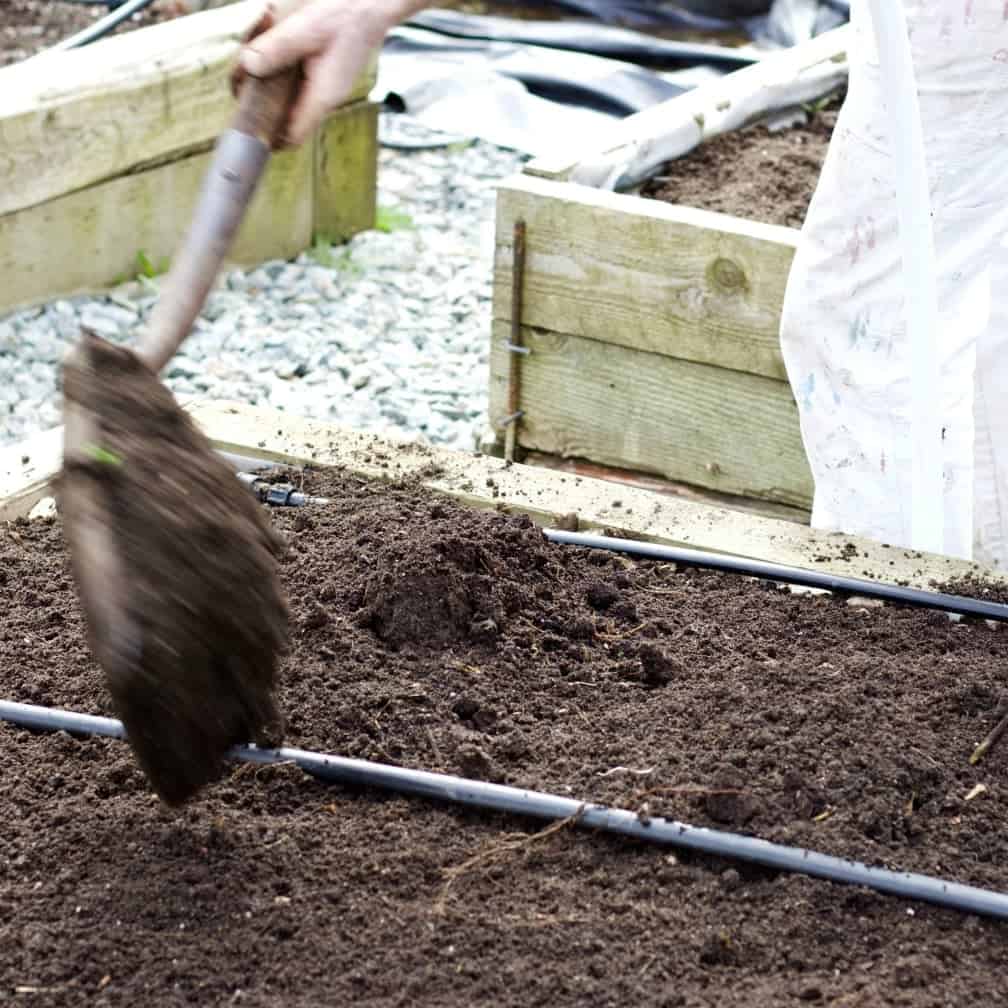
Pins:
x: 509, y: 845
x: 985, y: 746
x: 433, y: 744
x: 629, y: 770
x: 625, y: 633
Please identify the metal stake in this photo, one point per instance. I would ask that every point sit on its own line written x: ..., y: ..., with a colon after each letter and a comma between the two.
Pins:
x: 515, y: 347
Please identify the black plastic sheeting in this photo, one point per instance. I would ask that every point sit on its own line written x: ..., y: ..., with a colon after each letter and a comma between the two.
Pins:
x: 598, y: 40
x: 621, y: 90
x: 779, y: 22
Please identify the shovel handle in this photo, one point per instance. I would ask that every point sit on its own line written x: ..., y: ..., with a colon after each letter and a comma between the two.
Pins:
x: 264, y: 105
x: 239, y: 161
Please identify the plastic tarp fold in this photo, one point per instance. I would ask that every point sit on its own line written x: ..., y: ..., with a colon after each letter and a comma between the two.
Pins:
x: 543, y: 87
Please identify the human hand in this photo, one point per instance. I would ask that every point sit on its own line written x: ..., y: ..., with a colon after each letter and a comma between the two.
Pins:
x: 332, y: 40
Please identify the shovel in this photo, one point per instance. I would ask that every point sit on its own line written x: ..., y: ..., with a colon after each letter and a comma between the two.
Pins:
x: 173, y: 559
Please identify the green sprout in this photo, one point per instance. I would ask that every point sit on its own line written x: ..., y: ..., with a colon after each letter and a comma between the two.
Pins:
x: 388, y: 219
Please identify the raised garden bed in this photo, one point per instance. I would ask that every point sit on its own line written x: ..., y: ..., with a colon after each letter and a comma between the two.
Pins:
x: 418, y: 641
x: 652, y: 324
x: 105, y: 149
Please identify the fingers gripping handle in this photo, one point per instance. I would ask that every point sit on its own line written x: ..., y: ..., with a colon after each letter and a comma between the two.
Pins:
x: 238, y: 163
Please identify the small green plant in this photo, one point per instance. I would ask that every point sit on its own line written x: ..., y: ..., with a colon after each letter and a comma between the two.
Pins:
x: 323, y: 252
x: 144, y: 268
x: 813, y: 109
x: 389, y: 219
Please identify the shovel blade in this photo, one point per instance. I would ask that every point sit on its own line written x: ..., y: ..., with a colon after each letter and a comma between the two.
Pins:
x: 175, y: 565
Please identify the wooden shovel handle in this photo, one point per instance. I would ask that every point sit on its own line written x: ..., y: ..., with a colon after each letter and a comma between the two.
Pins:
x: 264, y: 106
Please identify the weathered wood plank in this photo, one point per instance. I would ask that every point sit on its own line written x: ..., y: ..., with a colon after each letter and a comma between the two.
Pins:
x: 672, y: 488
x: 346, y: 170
x: 687, y: 283
x: 487, y: 483
x: 548, y: 496
x: 90, y: 238
x: 635, y: 146
x: 732, y: 432
x: 72, y: 119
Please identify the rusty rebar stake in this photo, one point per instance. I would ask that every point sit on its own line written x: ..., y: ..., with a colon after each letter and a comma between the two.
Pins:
x: 515, y: 347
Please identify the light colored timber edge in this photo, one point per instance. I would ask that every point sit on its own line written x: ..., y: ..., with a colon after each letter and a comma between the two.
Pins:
x: 71, y: 119
x: 710, y: 427
x: 90, y: 239
x: 693, y: 284
x: 636, y: 145
x: 488, y: 483
x: 659, y: 484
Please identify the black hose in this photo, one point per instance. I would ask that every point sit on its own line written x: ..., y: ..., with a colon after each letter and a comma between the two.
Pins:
x: 101, y: 27
x: 540, y: 805
x: 788, y: 575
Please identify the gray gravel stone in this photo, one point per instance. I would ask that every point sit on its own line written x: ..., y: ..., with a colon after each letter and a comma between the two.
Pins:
x: 388, y: 333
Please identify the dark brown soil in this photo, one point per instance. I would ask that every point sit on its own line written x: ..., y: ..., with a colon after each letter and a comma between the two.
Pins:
x: 190, y: 649
x: 462, y: 642
x: 29, y: 26
x: 752, y: 173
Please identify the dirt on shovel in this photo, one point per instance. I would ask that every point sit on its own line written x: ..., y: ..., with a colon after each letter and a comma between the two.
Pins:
x: 190, y: 620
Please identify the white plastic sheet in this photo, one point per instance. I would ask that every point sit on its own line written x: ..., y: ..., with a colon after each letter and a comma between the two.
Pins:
x: 843, y: 334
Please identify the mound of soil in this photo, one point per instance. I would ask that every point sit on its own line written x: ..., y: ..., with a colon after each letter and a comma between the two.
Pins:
x: 443, y: 639
x: 29, y: 26
x: 755, y: 173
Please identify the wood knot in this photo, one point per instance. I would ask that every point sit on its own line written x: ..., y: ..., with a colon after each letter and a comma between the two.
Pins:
x: 726, y: 275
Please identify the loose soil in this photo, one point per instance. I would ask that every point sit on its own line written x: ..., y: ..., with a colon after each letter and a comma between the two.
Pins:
x: 755, y: 173
x: 29, y: 26
x: 203, y: 676
x: 450, y: 640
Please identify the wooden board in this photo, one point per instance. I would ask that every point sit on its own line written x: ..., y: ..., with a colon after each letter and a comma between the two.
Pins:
x: 732, y: 432
x: 69, y: 120
x: 687, y: 283
x: 90, y: 239
x: 658, y: 484
x: 346, y: 170
x: 547, y: 496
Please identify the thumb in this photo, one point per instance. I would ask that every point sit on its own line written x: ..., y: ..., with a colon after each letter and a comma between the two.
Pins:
x: 284, y: 45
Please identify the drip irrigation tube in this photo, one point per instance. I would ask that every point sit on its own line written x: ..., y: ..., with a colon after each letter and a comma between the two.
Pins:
x: 789, y: 575
x: 100, y: 28
x: 501, y: 798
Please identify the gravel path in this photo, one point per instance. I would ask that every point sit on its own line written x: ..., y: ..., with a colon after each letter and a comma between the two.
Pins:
x: 389, y: 332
